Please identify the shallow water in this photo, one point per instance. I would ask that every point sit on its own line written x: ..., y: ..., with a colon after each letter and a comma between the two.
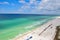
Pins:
x: 12, y: 25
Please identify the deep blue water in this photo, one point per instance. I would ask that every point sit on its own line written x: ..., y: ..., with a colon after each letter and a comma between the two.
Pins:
x: 12, y: 16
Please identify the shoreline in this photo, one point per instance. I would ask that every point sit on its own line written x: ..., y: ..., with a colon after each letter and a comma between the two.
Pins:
x: 53, y: 22
x: 31, y: 30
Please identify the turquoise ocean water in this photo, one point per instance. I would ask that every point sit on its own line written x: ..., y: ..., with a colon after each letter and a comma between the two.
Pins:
x: 14, y: 24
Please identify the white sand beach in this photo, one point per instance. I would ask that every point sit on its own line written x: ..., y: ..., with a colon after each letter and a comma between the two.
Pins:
x: 45, y: 32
